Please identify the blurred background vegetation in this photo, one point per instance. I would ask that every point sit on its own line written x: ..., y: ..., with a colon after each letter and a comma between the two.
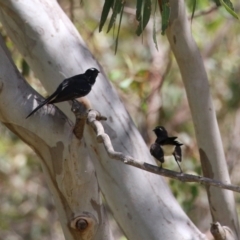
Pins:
x: 149, y: 83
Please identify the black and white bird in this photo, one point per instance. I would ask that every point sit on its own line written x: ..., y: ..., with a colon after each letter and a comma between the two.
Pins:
x: 71, y: 88
x: 165, y: 146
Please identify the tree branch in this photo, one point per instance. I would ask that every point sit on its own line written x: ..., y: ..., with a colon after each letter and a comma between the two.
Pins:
x: 93, y: 119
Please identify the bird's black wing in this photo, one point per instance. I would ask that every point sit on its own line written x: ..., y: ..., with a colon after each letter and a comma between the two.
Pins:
x: 71, y: 88
x: 157, y: 152
x: 178, y: 143
x: 172, y: 138
x: 63, y: 92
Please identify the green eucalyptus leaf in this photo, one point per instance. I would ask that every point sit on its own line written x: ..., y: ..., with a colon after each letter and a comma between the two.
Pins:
x: 194, y: 8
x: 145, y: 13
x: 154, y: 26
x: 106, y: 8
x: 165, y: 15
x: 116, y: 9
x: 119, y: 25
x: 217, y: 2
x: 139, y: 10
x: 229, y: 7
x: 228, y: 3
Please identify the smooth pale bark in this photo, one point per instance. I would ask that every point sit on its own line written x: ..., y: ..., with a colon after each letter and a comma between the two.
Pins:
x: 72, y: 182
x: 141, y: 202
x: 222, y: 204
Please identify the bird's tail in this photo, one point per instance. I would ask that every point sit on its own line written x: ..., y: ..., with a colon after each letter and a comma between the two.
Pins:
x: 39, y: 106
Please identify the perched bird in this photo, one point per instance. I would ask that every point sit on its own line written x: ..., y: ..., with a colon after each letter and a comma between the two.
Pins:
x: 165, y: 145
x: 71, y: 88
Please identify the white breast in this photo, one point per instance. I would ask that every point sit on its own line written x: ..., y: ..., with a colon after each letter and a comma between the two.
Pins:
x: 168, y: 149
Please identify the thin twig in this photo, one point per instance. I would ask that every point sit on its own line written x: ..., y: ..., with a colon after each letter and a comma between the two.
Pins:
x: 93, y: 118
x: 205, y: 12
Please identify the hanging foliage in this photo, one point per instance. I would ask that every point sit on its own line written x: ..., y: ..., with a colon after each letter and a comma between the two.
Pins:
x: 143, y: 14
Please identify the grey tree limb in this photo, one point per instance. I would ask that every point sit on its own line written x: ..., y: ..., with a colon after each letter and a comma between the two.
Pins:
x: 93, y: 118
x: 72, y: 182
x: 222, y: 204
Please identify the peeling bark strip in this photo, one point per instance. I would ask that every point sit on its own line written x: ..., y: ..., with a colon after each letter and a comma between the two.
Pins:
x: 221, y: 232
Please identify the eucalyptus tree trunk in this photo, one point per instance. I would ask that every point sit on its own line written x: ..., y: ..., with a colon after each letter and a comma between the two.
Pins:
x: 141, y: 202
x: 222, y: 204
x: 72, y: 182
